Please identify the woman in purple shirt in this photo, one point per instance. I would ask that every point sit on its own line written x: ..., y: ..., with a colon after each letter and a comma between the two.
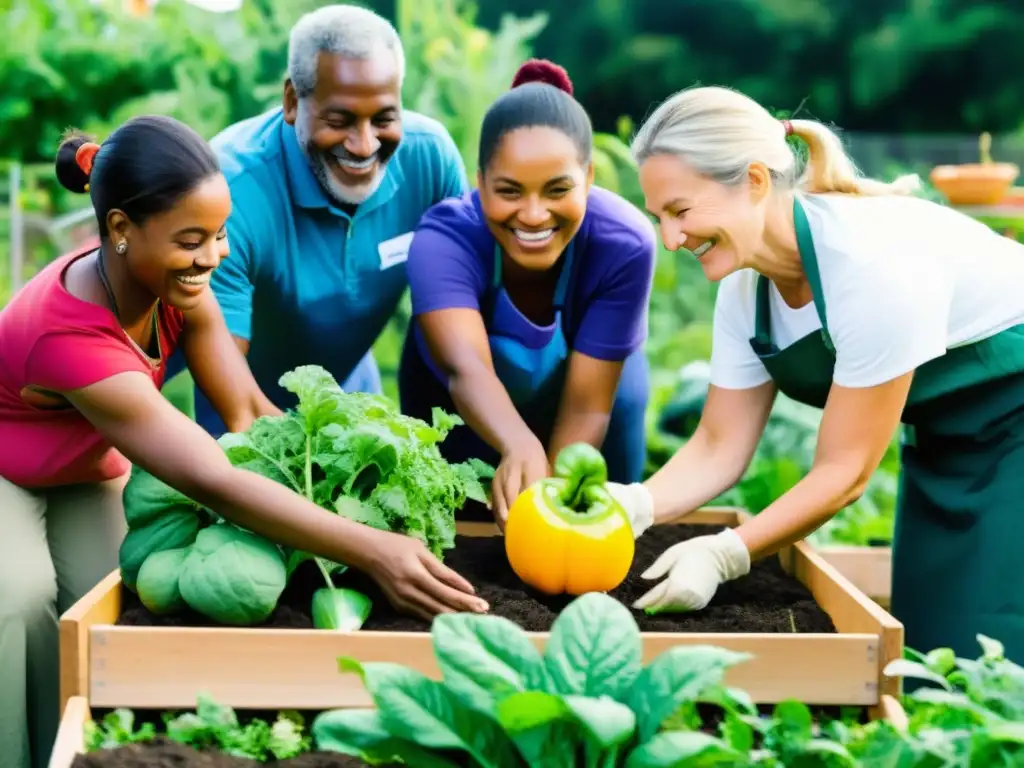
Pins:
x: 530, y: 299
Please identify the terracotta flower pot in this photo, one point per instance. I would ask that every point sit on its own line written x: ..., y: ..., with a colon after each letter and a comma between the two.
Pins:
x: 974, y: 183
x: 984, y: 183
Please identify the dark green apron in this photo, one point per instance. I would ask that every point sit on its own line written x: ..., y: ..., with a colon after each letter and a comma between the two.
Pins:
x: 958, y: 546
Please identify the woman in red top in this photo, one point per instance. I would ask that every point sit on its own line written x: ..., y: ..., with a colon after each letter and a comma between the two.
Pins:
x: 83, y: 348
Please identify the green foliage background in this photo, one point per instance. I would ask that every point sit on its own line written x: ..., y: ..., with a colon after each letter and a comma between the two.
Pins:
x: 890, y: 65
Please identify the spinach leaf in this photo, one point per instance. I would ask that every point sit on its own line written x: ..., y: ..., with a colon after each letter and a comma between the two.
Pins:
x: 604, y: 721
x: 360, y: 733
x: 679, y: 674
x: 594, y: 648
x: 690, y: 748
x: 485, y: 658
x: 415, y: 708
x: 541, y: 723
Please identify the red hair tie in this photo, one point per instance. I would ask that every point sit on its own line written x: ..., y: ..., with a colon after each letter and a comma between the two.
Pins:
x: 543, y: 71
x: 85, y: 156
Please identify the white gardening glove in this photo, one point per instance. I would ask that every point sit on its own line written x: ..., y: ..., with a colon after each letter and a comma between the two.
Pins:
x: 636, y: 500
x: 695, y: 569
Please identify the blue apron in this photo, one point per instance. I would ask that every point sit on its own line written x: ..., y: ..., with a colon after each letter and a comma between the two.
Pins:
x: 531, y: 362
x: 529, y: 359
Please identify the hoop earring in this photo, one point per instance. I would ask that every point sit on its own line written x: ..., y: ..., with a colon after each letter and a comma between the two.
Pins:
x: 121, y: 247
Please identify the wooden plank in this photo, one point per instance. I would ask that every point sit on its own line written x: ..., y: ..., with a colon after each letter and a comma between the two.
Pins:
x: 869, y: 568
x: 181, y: 662
x: 851, y: 610
x: 890, y: 709
x: 100, y: 605
x: 70, y: 739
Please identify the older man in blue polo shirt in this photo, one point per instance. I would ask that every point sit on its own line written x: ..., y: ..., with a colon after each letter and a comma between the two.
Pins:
x: 326, y: 193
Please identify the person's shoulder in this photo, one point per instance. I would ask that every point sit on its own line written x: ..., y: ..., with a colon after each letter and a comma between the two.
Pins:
x: 427, y: 150
x: 252, y: 161
x: 863, y: 227
x: 872, y: 250
x: 454, y: 225
x: 44, y: 309
x: 424, y: 135
x: 612, y: 220
x: 459, y: 216
x: 250, y: 151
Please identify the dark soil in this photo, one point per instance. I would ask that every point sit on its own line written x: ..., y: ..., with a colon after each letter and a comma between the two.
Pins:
x: 162, y: 753
x: 766, y: 600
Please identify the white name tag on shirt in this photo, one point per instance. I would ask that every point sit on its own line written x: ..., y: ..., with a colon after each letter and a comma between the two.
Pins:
x: 395, y: 250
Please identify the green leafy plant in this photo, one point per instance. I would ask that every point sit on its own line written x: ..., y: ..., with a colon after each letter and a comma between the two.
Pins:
x: 356, y: 454
x: 353, y: 454
x: 964, y: 711
x: 210, y: 726
x: 501, y: 702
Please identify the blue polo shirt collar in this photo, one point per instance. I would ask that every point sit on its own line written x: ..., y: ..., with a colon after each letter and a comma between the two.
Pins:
x: 306, y: 191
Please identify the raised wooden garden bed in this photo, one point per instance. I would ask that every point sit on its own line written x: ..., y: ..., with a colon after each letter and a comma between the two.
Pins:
x: 868, y: 568
x: 814, y: 636
x: 70, y: 741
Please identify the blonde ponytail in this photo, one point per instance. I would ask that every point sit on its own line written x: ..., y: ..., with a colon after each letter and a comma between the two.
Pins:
x: 720, y: 132
x: 830, y: 169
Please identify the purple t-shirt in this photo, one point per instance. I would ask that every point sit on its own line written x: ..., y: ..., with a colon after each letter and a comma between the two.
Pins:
x: 451, y: 265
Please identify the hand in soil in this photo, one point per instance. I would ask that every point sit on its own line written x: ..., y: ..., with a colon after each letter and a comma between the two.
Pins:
x: 519, y: 469
x: 695, y: 568
x: 416, y: 582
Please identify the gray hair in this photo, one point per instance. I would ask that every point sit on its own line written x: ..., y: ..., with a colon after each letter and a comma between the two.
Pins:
x: 720, y: 132
x: 348, y: 31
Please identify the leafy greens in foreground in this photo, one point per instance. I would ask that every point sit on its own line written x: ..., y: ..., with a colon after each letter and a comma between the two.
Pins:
x: 505, y: 704
x: 588, y: 702
x: 353, y: 454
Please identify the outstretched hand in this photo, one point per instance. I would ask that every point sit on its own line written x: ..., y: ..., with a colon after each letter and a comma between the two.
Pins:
x: 695, y: 569
x: 416, y: 582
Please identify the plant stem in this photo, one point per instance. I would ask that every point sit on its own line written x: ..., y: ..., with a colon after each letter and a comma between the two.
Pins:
x: 309, y: 466
x: 327, y: 576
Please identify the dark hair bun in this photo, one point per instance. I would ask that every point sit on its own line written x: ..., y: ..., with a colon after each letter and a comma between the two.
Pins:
x: 543, y: 71
x: 69, y: 172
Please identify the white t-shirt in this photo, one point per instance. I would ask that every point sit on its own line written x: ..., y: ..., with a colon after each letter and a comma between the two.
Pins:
x: 904, y: 280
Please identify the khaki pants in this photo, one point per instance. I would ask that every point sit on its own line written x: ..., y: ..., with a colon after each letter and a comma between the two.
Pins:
x: 55, y: 545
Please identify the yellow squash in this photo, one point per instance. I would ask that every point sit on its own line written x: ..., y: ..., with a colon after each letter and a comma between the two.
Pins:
x: 566, y: 534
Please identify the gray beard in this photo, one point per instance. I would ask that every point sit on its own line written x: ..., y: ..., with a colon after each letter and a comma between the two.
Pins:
x: 343, y: 194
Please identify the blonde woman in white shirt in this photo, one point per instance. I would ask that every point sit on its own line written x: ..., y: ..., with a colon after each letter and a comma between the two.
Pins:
x: 854, y: 296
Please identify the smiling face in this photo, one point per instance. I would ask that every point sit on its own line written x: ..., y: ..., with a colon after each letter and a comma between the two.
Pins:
x: 534, y: 195
x: 351, y: 125
x: 722, y: 225
x: 173, y: 254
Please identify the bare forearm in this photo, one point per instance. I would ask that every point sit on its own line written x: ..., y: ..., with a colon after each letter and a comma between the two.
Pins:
x: 251, y: 409
x: 699, y: 472
x: 578, y: 426
x: 825, y: 490
x: 485, y: 406
x: 272, y: 510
